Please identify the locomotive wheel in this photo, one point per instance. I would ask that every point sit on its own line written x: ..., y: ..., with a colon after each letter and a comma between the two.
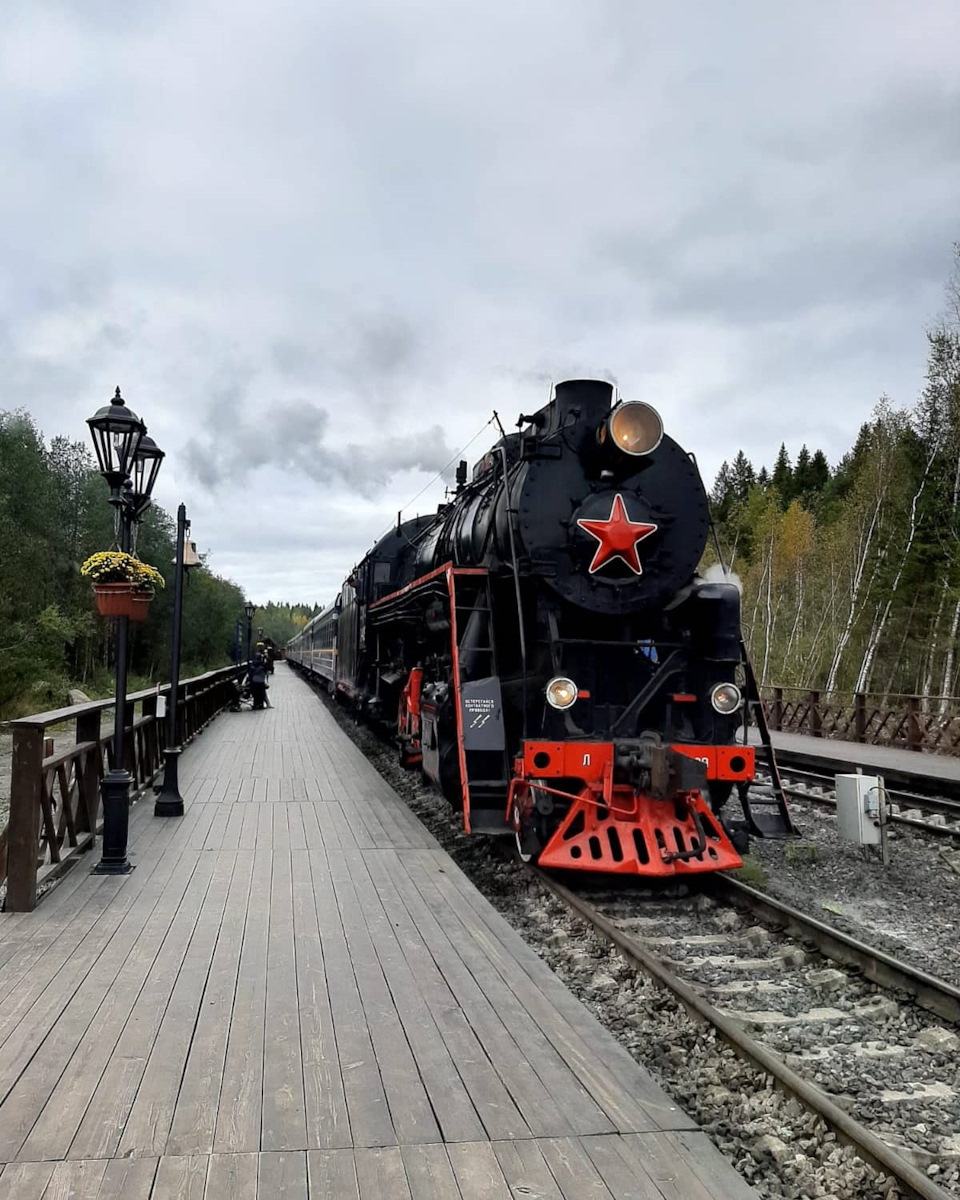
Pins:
x: 720, y: 791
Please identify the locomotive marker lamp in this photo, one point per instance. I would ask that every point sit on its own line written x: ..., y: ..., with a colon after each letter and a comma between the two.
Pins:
x: 562, y: 692
x: 633, y: 427
x: 130, y: 462
x: 725, y: 698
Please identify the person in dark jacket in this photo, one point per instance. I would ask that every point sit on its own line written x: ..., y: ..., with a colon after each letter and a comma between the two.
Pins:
x: 257, y: 679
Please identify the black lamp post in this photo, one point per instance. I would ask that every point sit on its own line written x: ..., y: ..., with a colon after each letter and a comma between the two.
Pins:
x: 249, y: 608
x: 129, y: 462
x: 169, y: 802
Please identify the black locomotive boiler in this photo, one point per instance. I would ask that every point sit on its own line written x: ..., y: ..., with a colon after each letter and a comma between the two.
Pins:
x: 546, y: 652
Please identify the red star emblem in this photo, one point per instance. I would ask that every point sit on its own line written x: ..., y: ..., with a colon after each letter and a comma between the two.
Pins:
x: 617, y: 537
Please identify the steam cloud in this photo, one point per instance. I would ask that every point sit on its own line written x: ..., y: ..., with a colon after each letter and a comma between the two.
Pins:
x: 294, y: 437
x: 716, y: 574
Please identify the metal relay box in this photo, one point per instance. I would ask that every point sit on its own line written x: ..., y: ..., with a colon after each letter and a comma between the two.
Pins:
x: 858, y: 808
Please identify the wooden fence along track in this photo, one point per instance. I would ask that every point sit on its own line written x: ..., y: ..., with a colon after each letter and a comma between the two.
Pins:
x: 55, y: 797
x: 930, y: 723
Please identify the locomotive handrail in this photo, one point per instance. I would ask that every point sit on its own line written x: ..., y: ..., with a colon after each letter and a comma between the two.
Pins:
x: 423, y: 579
x: 515, y: 569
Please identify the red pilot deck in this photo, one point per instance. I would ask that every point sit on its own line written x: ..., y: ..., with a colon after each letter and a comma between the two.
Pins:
x: 298, y: 994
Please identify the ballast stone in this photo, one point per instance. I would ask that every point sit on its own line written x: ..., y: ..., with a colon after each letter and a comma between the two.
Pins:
x: 775, y: 1147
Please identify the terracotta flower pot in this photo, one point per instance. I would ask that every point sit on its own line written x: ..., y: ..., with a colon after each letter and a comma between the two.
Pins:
x: 140, y: 606
x: 116, y: 600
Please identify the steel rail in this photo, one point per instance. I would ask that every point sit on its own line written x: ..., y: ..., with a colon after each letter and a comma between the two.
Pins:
x: 936, y: 804
x: 871, y: 1148
x: 881, y: 968
x: 947, y: 808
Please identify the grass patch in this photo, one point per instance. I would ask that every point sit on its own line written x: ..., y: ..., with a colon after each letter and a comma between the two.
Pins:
x: 801, y: 852
x: 751, y: 873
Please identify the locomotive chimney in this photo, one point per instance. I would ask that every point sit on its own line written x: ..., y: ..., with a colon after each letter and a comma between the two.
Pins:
x: 461, y: 474
x: 576, y: 400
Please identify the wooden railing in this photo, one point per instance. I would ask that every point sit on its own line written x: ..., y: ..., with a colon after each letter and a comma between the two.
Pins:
x: 930, y: 723
x: 55, y: 797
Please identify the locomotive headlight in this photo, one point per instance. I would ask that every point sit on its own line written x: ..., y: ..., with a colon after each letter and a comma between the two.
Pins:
x: 725, y: 698
x: 561, y: 692
x: 633, y: 427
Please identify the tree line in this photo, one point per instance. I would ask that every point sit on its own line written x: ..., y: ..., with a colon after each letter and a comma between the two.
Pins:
x: 53, y: 515
x: 851, y: 573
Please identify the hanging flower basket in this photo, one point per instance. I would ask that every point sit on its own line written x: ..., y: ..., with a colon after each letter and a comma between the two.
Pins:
x: 123, y: 585
x: 141, y: 604
x: 117, y: 600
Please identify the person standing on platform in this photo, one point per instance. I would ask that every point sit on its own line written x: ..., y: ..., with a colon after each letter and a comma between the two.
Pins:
x: 257, y: 679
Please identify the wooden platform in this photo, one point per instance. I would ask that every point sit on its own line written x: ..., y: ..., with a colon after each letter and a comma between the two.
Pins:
x: 296, y: 993
x: 925, y: 772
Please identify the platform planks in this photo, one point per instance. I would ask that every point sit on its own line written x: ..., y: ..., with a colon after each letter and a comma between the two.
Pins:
x: 898, y: 766
x: 297, y: 994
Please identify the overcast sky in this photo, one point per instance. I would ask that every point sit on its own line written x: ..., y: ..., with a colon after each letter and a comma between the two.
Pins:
x: 317, y: 243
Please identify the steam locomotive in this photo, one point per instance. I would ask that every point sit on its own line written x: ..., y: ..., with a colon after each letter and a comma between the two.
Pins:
x: 545, y: 651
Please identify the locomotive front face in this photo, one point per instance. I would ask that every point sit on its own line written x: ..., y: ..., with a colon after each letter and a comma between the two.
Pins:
x: 549, y: 652
x: 610, y: 510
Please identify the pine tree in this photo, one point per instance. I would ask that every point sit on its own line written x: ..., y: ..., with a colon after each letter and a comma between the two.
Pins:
x: 801, y: 472
x: 819, y: 471
x: 721, y: 496
x: 782, y: 477
x: 742, y: 477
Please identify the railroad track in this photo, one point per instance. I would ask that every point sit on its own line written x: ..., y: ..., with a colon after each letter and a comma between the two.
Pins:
x: 821, y: 1032
x: 907, y: 808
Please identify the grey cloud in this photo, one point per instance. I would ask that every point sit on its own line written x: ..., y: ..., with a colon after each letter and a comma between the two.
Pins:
x: 295, y: 437
x: 408, y: 215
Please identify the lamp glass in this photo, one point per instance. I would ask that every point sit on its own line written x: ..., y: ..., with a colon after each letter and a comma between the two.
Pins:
x: 116, y: 431
x: 146, y: 468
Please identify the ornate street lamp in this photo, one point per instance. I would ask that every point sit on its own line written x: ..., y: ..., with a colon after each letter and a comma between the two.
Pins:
x: 117, y: 432
x: 249, y: 608
x: 130, y: 469
x: 146, y: 468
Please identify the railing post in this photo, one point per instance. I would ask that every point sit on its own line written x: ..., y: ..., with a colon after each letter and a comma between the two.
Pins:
x: 859, y: 717
x: 148, y: 708
x: 23, y: 842
x: 88, y: 730
x: 816, y: 721
x: 914, y: 735
x: 777, y: 721
x: 129, y: 741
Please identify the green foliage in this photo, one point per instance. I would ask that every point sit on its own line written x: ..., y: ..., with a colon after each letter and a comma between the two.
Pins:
x: 751, y: 873
x: 281, y: 621
x: 53, y: 515
x: 852, y: 576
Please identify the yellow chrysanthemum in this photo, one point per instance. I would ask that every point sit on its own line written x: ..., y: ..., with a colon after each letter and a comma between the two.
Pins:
x: 114, y: 566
